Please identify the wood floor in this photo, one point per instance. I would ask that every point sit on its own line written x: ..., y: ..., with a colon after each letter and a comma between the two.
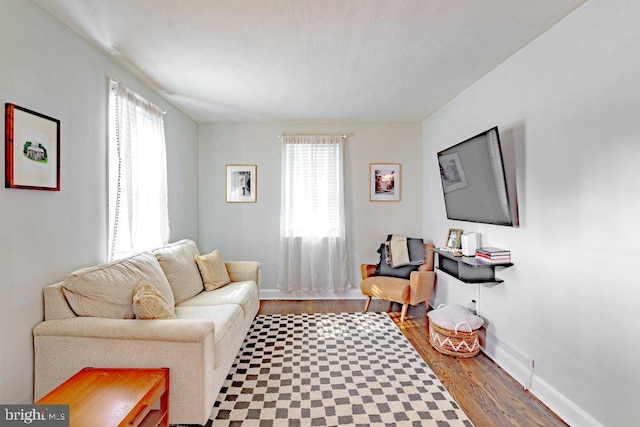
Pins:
x: 485, y: 392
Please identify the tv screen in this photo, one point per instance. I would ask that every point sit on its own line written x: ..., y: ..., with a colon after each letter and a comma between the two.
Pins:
x: 473, y: 180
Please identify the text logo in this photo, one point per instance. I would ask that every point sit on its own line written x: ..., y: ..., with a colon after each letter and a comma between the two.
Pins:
x: 35, y: 415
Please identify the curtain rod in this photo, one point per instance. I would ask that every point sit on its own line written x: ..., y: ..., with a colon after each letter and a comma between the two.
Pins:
x: 111, y: 80
x: 343, y: 136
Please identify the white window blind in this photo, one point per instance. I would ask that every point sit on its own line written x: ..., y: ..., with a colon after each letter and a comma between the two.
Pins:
x: 312, y: 228
x: 313, y: 189
x: 138, y: 212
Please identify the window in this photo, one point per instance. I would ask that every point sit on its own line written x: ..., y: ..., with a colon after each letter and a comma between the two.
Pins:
x: 312, y: 228
x: 138, y: 212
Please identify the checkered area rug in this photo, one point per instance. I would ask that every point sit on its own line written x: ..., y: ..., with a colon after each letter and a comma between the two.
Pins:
x: 339, y: 369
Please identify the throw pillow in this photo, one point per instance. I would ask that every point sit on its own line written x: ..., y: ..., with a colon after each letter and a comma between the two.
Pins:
x: 213, y: 271
x: 148, y: 303
x: 384, y: 269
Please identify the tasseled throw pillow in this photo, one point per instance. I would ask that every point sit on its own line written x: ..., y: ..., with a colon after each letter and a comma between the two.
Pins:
x: 148, y: 303
x: 213, y: 271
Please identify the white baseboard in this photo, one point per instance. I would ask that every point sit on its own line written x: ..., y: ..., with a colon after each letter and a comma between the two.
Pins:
x: 521, y: 367
x: 570, y: 413
x: 272, y: 294
x: 516, y: 362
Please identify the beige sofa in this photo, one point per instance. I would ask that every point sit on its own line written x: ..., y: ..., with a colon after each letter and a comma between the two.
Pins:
x: 89, y: 321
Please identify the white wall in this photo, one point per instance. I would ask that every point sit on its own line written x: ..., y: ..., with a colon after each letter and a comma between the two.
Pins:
x: 251, y: 231
x: 45, y: 235
x: 568, y: 109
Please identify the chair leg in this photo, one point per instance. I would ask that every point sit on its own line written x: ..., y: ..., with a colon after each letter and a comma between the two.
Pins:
x: 405, y: 307
x: 366, y: 306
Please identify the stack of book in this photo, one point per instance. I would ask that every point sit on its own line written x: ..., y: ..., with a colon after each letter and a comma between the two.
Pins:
x: 493, y: 255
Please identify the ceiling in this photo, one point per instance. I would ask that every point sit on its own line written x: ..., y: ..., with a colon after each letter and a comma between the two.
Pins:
x: 356, y: 60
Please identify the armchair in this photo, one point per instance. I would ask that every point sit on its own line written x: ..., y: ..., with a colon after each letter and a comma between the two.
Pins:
x: 415, y: 290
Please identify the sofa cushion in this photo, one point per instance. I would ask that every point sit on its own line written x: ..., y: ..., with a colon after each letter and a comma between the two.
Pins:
x: 228, y: 320
x: 213, y: 271
x: 179, y: 265
x: 239, y: 293
x: 148, y: 303
x: 106, y: 290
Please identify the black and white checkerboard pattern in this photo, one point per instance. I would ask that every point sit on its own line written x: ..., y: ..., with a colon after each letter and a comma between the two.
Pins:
x: 339, y: 369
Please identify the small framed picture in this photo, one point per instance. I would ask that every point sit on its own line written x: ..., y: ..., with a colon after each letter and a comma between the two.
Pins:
x: 32, y: 150
x: 453, y: 238
x: 384, y: 182
x: 241, y: 183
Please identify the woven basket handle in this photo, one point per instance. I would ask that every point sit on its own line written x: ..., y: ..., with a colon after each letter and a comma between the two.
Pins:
x: 440, y: 306
x: 463, y: 323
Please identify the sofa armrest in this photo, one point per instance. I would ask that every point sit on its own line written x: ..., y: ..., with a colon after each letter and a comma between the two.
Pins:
x: 421, y: 284
x: 428, y: 258
x: 367, y: 270
x: 55, y: 303
x: 239, y: 271
x: 185, y: 346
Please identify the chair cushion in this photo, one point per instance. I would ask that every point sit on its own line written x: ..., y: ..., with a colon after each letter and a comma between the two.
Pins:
x: 178, y: 261
x: 387, y: 288
x: 107, y: 290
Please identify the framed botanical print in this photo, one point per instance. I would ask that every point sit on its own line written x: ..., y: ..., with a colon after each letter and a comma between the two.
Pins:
x: 32, y: 150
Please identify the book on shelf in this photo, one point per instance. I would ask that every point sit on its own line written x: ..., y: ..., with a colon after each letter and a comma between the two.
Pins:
x: 493, y: 260
x: 492, y: 251
x: 493, y: 255
x: 485, y: 256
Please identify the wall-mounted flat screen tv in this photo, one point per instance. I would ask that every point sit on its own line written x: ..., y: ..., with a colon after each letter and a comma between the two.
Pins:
x: 473, y: 180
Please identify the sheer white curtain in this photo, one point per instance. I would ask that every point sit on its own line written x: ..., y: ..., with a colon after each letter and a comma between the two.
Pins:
x: 313, y: 254
x: 138, y: 212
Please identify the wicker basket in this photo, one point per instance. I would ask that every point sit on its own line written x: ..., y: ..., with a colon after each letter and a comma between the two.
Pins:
x: 454, y: 343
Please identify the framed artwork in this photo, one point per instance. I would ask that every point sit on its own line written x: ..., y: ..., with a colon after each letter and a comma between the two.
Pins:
x: 384, y: 182
x: 32, y: 150
x: 241, y: 183
x: 453, y: 238
x: 451, y: 172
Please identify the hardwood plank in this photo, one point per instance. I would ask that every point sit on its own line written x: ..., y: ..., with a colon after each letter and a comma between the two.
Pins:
x: 486, y: 393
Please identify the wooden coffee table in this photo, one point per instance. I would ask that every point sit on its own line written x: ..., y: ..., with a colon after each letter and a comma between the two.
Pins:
x: 114, y: 397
